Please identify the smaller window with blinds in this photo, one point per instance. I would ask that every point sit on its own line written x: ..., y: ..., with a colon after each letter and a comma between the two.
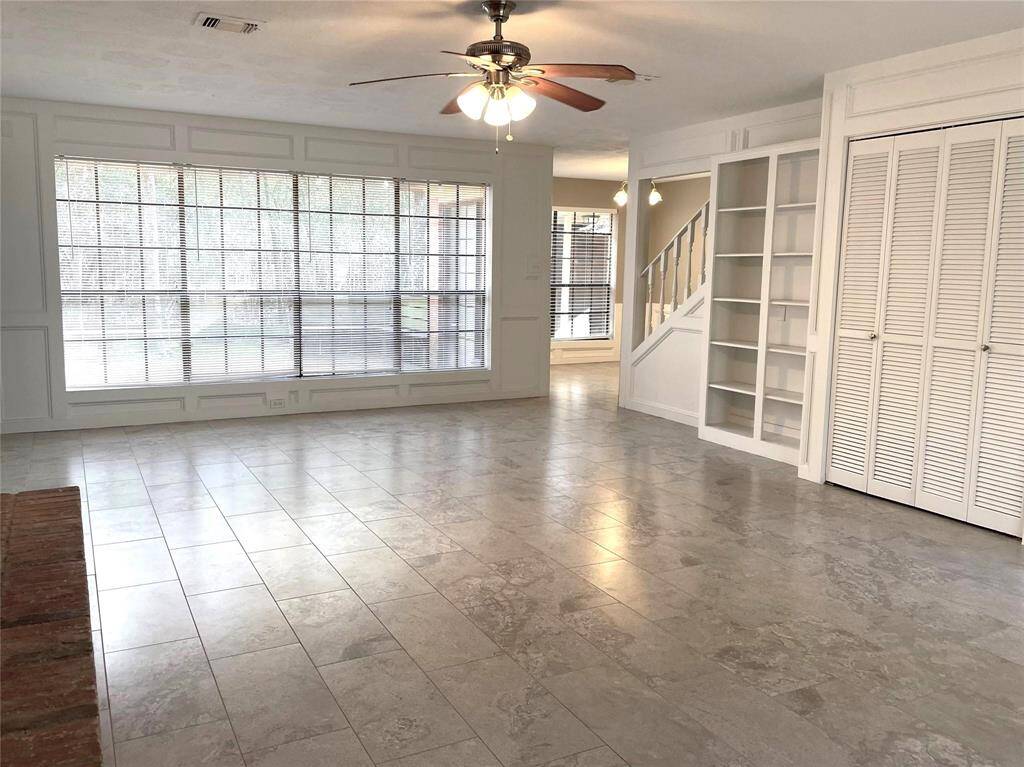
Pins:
x: 582, y: 265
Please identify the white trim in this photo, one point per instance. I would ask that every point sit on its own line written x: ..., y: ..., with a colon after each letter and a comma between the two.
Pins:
x: 520, y: 180
x: 965, y: 82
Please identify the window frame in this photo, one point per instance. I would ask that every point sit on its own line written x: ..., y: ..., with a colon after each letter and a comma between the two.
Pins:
x: 483, y: 313
x: 612, y: 267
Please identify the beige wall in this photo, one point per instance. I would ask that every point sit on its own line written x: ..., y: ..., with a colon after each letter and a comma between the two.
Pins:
x: 587, y: 193
x: 681, y: 199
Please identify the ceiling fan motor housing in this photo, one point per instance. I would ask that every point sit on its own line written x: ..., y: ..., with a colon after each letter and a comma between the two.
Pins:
x: 506, y: 53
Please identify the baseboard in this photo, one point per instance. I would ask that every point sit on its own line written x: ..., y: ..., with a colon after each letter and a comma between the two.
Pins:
x: 687, y: 417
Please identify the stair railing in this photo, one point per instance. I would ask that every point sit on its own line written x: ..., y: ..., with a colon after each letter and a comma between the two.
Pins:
x: 660, y: 278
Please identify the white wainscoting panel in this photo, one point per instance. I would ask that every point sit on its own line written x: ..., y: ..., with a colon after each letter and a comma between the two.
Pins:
x: 25, y: 362
x: 34, y: 132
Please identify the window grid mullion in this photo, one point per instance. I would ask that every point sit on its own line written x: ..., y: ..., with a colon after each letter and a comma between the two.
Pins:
x: 185, y: 300
x: 243, y: 320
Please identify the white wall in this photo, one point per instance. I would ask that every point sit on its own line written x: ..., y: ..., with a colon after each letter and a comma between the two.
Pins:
x: 31, y: 351
x: 975, y: 80
x: 662, y: 376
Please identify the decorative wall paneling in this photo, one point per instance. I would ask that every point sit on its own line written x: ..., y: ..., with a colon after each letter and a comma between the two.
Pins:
x: 33, y: 132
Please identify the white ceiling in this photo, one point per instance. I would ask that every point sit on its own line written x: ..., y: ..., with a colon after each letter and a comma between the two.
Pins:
x: 712, y: 59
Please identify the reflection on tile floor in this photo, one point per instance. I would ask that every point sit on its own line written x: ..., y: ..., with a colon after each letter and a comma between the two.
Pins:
x: 532, y: 582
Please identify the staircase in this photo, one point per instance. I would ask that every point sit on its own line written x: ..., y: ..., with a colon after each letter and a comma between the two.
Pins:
x: 674, y: 279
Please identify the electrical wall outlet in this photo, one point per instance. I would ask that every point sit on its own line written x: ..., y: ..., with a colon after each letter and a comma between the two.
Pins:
x: 277, y: 404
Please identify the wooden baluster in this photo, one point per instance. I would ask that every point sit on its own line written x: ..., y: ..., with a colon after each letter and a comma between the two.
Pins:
x: 649, y: 307
x: 689, y: 256
x: 704, y: 243
x: 675, y: 273
x: 664, y: 273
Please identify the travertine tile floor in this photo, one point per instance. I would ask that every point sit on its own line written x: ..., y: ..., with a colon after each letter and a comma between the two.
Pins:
x: 538, y: 582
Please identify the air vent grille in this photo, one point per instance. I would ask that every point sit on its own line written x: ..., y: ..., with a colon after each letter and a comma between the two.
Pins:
x: 228, y: 23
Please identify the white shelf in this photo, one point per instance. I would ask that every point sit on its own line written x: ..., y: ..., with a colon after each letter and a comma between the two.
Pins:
x: 740, y: 429
x: 735, y: 300
x: 736, y: 344
x: 798, y: 351
x: 783, y: 440
x: 784, y: 395
x: 737, y: 386
x: 744, y: 209
x: 755, y: 387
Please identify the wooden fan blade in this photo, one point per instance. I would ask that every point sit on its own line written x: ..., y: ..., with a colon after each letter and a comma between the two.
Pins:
x: 597, y: 71
x: 475, y: 61
x: 569, y: 96
x: 413, y: 77
x: 452, y: 107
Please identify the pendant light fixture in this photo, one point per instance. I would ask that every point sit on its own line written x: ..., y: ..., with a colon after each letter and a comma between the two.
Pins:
x: 621, y: 197
x: 655, y: 196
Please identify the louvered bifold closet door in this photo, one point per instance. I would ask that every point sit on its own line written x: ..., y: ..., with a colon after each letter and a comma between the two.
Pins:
x: 853, y: 370
x: 958, y: 302
x: 906, y: 266
x: 997, y: 492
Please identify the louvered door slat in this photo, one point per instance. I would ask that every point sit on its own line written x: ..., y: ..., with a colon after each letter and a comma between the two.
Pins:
x: 862, y: 243
x: 867, y: 188
x: 851, y: 403
x: 966, y: 215
x: 906, y: 270
x: 958, y: 305
x: 893, y: 458
x: 997, y: 491
x: 999, y: 483
x: 948, y: 430
x: 906, y: 290
x: 1007, y: 317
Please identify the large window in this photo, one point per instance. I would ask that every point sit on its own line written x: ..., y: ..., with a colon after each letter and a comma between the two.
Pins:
x: 582, y: 258
x: 175, y: 274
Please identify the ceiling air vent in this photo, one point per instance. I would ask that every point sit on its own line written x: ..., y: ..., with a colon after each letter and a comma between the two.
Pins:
x: 227, y: 23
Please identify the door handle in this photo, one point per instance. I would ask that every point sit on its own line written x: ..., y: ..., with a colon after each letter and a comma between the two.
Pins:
x: 872, y: 336
x: 985, y: 347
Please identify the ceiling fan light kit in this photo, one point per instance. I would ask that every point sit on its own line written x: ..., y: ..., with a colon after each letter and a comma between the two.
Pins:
x: 501, y: 96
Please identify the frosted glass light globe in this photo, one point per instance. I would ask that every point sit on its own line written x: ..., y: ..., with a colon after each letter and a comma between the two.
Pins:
x: 520, y: 103
x: 497, y: 112
x: 473, y: 100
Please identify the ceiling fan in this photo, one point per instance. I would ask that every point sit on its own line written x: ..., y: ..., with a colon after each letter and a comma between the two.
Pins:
x: 505, y: 79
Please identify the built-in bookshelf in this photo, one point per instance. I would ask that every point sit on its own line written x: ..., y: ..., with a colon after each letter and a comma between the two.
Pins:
x: 764, y: 205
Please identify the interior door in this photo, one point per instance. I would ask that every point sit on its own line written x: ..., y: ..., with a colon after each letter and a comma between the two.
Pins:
x: 853, y: 365
x: 903, y: 324
x: 997, y: 487
x: 957, y: 316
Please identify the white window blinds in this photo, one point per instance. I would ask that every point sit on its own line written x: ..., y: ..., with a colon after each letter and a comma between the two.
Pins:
x: 174, y: 274
x: 582, y: 253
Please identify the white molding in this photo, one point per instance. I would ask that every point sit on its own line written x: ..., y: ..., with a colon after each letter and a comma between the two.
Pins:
x: 685, y: 151
x: 964, y: 82
x: 668, y: 412
x: 94, y: 131
x: 520, y: 179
